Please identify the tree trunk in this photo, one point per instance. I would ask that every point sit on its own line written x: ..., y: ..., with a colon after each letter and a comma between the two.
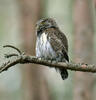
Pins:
x: 94, y: 1
x: 34, y: 84
x: 83, y: 48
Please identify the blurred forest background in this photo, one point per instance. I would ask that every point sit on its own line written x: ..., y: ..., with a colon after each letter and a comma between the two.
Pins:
x: 76, y: 18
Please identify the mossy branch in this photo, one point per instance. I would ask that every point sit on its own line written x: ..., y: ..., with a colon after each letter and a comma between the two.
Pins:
x: 21, y: 58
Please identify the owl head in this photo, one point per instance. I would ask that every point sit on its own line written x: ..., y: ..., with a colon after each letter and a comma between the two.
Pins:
x: 45, y: 23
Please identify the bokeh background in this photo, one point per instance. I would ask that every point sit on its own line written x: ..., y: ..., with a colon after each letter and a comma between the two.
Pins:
x: 76, y: 18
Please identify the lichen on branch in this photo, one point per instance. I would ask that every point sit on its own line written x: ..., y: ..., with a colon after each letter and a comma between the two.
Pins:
x: 21, y: 58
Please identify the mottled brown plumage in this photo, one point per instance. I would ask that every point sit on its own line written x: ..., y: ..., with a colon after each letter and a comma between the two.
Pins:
x: 51, y: 43
x: 58, y: 41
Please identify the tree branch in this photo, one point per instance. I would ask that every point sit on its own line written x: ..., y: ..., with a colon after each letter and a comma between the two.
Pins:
x: 21, y: 58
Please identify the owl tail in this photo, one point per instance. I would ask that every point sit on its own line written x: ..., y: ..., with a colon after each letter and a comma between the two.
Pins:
x: 64, y: 73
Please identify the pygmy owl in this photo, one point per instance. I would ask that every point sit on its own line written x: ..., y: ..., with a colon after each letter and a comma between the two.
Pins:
x: 51, y: 43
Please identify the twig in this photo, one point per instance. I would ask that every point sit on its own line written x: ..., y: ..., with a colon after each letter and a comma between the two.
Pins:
x: 10, y: 46
x: 10, y: 55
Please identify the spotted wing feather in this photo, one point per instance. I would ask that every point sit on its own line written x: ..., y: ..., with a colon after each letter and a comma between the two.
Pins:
x: 59, y: 46
x: 60, y: 50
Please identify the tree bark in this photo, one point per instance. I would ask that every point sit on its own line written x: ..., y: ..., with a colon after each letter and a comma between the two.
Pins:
x: 34, y: 84
x: 94, y: 1
x: 83, y: 48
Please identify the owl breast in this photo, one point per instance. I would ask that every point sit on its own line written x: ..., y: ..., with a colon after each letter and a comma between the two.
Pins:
x: 43, y: 47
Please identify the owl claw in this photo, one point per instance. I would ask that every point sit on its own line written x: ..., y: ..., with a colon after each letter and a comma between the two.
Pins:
x: 41, y: 58
x: 44, y: 59
x: 50, y: 61
x: 54, y: 61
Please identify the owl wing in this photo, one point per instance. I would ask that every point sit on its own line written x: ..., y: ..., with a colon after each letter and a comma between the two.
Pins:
x: 57, y: 45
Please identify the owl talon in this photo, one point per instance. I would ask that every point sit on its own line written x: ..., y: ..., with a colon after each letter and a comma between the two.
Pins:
x: 50, y: 61
x: 54, y: 61
x: 41, y: 58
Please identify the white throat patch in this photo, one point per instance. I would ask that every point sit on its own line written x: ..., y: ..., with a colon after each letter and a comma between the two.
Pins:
x: 43, y: 47
x: 44, y: 38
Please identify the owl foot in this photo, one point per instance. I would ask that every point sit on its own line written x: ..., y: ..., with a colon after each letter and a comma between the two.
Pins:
x: 53, y: 61
x: 41, y: 58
